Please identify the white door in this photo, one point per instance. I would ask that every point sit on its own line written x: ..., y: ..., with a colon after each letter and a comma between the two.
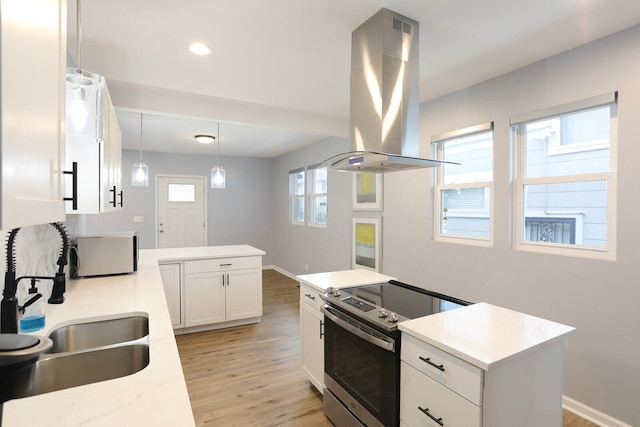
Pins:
x: 181, y: 212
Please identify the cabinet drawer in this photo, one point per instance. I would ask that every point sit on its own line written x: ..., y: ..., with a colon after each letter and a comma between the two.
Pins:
x: 220, y: 264
x: 311, y: 296
x: 420, y: 393
x: 456, y: 374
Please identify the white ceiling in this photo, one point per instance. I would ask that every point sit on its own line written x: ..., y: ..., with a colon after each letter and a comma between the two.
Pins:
x: 278, y: 78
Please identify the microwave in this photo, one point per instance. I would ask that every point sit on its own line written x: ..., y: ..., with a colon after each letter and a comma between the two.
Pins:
x: 104, y: 255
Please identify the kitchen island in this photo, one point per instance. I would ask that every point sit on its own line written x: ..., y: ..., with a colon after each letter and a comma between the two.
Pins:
x: 155, y: 396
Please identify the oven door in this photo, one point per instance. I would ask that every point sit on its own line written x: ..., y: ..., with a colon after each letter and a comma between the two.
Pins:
x: 362, y: 369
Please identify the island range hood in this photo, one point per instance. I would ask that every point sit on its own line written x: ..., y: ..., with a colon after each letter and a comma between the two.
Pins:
x: 384, y: 98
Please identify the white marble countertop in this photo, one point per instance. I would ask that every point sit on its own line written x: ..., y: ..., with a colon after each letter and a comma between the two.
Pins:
x: 484, y: 334
x: 155, y: 396
x: 343, y: 279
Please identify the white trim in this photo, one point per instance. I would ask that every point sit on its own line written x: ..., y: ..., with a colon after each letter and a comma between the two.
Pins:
x: 590, y: 414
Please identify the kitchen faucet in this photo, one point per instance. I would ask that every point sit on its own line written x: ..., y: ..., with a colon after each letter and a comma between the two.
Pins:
x: 9, y: 304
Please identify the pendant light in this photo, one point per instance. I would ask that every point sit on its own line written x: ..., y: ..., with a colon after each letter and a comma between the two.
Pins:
x: 80, y: 104
x: 140, y: 171
x: 217, y: 172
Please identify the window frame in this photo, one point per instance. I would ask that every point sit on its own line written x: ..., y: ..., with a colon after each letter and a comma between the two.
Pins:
x: 313, y: 194
x: 520, y: 181
x: 293, y: 196
x: 437, y: 143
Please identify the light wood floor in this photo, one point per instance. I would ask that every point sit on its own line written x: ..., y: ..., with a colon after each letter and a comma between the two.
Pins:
x: 250, y: 375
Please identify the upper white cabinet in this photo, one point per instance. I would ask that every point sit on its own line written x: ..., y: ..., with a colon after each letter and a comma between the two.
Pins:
x: 96, y: 147
x: 32, y: 104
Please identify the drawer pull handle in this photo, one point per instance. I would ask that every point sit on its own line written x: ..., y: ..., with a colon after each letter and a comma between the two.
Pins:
x: 428, y: 414
x: 321, y: 329
x: 428, y: 360
x: 310, y: 296
x: 226, y: 265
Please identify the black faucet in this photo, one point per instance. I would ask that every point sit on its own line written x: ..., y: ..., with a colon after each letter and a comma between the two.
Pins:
x: 9, y: 304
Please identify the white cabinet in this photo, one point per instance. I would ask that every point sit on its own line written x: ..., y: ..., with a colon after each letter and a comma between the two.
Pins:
x: 98, y: 155
x: 481, y: 366
x: 312, y: 336
x: 32, y: 124
x: 172, y: 283
x: 223, y: 292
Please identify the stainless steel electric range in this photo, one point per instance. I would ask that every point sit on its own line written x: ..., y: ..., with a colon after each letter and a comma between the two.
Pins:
x: 362, y: 349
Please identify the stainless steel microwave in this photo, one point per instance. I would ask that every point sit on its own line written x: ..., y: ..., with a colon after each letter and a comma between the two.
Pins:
x: 103, y: 255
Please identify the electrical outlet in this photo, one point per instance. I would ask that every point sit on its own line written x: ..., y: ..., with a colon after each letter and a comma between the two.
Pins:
x: 306, y: 267
x: 138, y: 219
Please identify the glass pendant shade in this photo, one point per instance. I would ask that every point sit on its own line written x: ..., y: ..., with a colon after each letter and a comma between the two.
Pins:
x: 217, y: 177
x: 140, y: 174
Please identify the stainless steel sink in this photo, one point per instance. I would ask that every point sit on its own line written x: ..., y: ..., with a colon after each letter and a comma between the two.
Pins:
x: 85, y: 335
x: 65, y: 370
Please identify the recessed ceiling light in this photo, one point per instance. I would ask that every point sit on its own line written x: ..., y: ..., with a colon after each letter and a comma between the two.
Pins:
x: 200, y: 49
x: 205, y: 139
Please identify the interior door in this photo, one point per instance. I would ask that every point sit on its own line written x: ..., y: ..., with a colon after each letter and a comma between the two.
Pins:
x: 181, y: 219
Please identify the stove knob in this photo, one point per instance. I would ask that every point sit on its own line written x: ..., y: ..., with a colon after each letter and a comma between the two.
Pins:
x: 393, y: 317
x: 329, y: 290
x: 382, y: 313
x: 336, y: 293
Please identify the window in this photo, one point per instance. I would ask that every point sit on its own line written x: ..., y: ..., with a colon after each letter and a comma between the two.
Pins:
x: 317, y: 195
x: 181, y: 193
x: 463, y: 191
x: 565, y: 180
x: 296, y: 196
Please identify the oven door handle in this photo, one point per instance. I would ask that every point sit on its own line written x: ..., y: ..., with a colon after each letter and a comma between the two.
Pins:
x: 361, y: 331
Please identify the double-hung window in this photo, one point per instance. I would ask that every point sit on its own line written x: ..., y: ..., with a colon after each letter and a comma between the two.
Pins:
x: 463, y: 191
x: 297, y: 196
x: 317, y: 195
x: 565, y: 181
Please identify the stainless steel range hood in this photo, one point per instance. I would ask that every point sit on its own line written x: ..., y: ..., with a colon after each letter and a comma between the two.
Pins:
x: 384, y: 97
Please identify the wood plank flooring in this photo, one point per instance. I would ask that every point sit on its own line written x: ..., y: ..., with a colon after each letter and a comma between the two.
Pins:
x: 251, y: 376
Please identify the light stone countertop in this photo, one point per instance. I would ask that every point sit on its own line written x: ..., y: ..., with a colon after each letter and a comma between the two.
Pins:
x: 343, y: 279
x: 484, y: 334
x: 155, y: 396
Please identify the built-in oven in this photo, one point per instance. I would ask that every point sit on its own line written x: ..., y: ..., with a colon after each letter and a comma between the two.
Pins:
x: 362, y: 349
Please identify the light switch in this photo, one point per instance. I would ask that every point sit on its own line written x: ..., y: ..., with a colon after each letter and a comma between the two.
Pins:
x: 138, y: 219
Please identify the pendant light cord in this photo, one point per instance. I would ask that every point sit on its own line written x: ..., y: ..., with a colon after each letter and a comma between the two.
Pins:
x: 79, y: 30
x: 141, y: 114
x: 218, y: 155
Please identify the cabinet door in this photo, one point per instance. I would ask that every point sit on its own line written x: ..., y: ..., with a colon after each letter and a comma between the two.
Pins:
x: 112, y: 165
x: 312, y: 338
x: 172, y: 290
x: 32, y: 123
x: 244, y: 294
x: 204, y: 298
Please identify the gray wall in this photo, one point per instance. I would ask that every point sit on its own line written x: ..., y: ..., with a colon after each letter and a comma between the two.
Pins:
x: 599, y: 298
x: 297, y: 246
x: 239, y: 214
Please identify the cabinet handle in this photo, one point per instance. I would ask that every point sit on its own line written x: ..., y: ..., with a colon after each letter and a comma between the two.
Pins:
x: 428, y: 414
x: 223, y: 281
x: 121, y: 198
x: 321, y: 329
x: 74, y: 186
x: 310, y: 296
x: 228, y: 281
x: 226, y: 265
x: 428, y: 360
x: 113, y: 202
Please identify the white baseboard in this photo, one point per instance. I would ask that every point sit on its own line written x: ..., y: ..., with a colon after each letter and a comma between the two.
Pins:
x: 590, y: 414
x: 279, y: 270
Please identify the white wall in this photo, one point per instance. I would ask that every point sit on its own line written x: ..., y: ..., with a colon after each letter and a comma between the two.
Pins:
x: 599, y: 298
x: 238, y: 214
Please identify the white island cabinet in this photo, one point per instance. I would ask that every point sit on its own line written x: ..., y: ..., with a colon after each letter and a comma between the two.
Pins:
x: 312, y: 319
x: 212, y: 287
x: 481, y: 366
x: 32, y: 121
